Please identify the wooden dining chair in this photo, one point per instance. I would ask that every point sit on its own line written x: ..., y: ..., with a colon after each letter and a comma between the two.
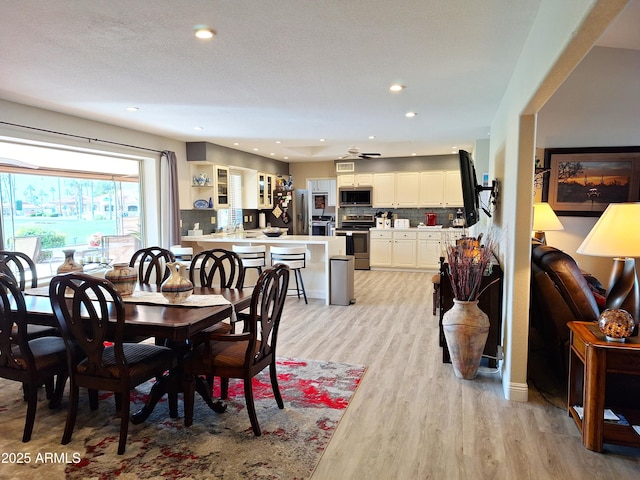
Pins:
x: 93, y: 314
x: 217, y: 268
x: 30, y: 361
x: 245, y: 354
x: 151, y: 263
x: 22, y: 270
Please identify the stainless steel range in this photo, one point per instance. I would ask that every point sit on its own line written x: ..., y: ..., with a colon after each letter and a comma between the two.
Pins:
x: 356, y: 228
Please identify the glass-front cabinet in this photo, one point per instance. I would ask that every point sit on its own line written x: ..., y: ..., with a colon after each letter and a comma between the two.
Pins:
x: 221, y: 199
x: 265, y: 190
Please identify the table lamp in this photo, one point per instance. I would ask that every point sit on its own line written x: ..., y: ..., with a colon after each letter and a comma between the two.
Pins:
x: 544, y: 219
x: 616, y: 234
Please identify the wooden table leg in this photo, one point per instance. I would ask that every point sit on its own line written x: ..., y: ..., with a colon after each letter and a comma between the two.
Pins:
x: 594, y: 390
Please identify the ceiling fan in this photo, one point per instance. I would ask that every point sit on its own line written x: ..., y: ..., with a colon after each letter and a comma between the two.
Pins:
x: 355, y: 152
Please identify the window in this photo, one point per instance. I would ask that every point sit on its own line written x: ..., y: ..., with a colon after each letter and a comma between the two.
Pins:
x: 68, y: 200
x: 231, y: 218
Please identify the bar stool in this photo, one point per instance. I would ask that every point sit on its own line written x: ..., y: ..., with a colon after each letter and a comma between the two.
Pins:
x: 253, y: 256
x: 296, y: 259
x: 182, y: 254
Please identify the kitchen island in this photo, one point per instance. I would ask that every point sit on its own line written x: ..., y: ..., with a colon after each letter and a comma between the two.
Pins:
x: 319, y: 251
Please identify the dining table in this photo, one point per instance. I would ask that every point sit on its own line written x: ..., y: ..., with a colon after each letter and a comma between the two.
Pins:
x: 174, y: 325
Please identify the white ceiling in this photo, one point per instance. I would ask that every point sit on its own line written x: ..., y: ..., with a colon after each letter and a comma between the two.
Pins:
x: 293, y: 71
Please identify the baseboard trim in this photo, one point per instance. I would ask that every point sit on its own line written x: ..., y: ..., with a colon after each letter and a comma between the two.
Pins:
x: 517, y: 392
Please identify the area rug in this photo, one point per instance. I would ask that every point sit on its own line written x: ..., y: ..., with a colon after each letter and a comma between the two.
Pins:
x: 217, y: 446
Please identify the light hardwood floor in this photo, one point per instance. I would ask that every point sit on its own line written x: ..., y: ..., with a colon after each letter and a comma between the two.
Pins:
x: 411, y: 418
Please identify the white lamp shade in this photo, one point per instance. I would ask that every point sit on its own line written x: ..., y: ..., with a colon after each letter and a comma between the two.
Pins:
x: 545, y: 219
x: 615, y: 234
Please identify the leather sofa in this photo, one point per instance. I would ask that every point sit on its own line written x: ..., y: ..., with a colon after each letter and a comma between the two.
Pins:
x: 560, y: 293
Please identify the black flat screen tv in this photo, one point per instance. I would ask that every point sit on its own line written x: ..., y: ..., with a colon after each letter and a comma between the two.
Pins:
x: 470, y: 191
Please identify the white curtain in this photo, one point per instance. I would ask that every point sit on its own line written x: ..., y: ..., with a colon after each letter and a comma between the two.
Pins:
x: 169, y: 200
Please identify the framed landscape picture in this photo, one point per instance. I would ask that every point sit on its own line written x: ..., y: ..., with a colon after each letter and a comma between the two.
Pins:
x: 583, y: 181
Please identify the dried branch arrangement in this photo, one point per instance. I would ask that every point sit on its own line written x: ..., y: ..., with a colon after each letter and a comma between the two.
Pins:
x: 467, y: 261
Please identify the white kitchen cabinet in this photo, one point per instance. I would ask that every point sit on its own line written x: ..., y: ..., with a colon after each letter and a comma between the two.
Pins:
x: 380, y: 248
x: 412, y: 248
x: 407, y: 189
x: 221, y: 187
x: 355, y: 180
x: 396, y: 190
x: 429, y: 250
x: 265, y: 190
x: 431, y: 188
x: 440, y: 188
x: 453, y: 189
x: 384, y: 190
x: 404, y: 249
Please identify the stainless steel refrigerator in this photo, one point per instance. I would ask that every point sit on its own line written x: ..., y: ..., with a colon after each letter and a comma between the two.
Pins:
x: 290, y: 210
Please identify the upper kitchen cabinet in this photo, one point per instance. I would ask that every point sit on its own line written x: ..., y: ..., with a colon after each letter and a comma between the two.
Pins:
x: 396, y: 190
x: 221, y: 180
x: 355, y: 180
x: 440, y: 189
x: 265, y: 190
x: 453, y: 189
x: 432, y: 189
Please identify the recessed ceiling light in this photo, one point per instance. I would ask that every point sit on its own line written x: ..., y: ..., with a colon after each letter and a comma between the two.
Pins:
x: 272, y: 154
x: 323, y: 139
x: 204, y: 32
x: 396, y: 87
x: 198, y: 128
x: 410, y: 114
x: 371, y: 137
x: 132, y: 109
x: 414, y: 154
x: 286, y: 158
x: 278, y: 141
x: 236, y: 143
x: 255, y: 150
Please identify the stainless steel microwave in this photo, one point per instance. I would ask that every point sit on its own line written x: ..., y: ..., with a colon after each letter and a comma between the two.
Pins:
x: 354, y: 196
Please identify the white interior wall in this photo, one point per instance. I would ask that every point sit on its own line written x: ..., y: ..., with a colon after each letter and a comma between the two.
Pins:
x: 560, y: 37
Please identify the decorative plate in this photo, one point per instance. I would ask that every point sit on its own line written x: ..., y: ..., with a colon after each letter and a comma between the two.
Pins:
x: 202, y: 203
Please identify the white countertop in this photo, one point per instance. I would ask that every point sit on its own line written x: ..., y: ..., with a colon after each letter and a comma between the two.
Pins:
x: 249, y: 237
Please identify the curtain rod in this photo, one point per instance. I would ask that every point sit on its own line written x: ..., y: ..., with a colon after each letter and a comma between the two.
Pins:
x: 81, y: 137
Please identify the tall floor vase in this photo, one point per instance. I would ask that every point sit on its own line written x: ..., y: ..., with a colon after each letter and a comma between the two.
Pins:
x: 466, y: 329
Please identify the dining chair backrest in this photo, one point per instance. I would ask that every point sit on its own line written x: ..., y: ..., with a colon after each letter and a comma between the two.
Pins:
x: 13, y: 326
x: 85, y: 319
x: 151, y: 264
x: 267, y: 302
x: 20, y: 267
x: 217, y: 268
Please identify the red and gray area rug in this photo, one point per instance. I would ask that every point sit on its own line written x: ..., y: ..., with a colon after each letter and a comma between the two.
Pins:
x: 217, y: 446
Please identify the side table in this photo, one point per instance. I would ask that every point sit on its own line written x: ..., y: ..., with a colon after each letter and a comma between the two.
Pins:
x: 592, y: 358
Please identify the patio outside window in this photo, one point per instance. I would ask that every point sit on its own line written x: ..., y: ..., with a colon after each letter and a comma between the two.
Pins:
x: 55, y: 199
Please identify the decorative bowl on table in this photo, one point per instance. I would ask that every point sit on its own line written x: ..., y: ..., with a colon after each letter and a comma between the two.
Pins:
x: 273, y: 232
x: 616, y: 324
